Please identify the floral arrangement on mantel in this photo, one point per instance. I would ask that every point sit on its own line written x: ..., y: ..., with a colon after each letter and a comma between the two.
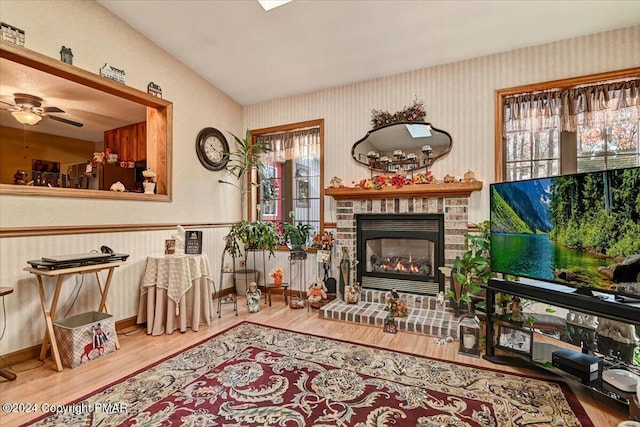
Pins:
x: 412, y: 113
x: 379, y: 182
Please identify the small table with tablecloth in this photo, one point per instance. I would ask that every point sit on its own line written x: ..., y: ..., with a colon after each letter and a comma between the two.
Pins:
x: 176, y: 293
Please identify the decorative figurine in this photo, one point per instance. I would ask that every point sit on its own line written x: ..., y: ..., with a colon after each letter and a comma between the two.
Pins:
x: 516, y: 310
x: 352, y: 293
x: 253, y: 298
x: 66, y: 55
x: 469, y: 176
x: 149, y: 184
x: 112, y: 73
x: 154, y: 89
x: 395, y: 306
x: 317, y: 291
x: 20, y: 177
x: 345, y: 271
x: 390, y: 324
x: 11, y: 34
x: 336, y: 182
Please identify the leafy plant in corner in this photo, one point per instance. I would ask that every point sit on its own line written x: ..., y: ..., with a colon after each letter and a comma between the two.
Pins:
x: 473, y: 268
x: 244, y: 160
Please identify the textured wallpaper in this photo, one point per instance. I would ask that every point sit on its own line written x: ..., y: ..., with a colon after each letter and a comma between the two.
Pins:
x: 458, y: 97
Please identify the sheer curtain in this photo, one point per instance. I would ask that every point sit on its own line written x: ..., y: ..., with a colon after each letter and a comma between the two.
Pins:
x: 291, y: 145
x: 593, y: 105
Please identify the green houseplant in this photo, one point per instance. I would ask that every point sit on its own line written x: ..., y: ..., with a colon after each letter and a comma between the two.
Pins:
x: 242, y: 161
x: 253, y: 235
x: 296, y: 235
x: 473, y: 268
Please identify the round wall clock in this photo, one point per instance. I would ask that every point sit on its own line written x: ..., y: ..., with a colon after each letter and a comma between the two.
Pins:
x: 212, y: 149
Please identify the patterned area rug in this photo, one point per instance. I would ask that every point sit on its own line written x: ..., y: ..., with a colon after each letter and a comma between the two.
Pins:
x: 254, y: 375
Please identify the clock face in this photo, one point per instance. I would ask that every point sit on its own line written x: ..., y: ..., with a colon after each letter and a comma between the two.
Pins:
x: 212, y: 149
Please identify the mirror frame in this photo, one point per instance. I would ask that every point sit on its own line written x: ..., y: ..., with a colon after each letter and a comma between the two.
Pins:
x: 159, y: 127
x: 421, y: 165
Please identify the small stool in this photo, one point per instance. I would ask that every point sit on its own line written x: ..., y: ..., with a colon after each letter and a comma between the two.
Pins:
x: 3, y: 372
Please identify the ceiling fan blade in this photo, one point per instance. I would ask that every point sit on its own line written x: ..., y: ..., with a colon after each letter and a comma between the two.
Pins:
x: 67, y: 121
x: 52, y: 110
x: 10, y: 105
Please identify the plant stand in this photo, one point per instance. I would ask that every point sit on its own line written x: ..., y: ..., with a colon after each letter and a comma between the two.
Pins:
x: 233, y: 297
x: 298, y: 257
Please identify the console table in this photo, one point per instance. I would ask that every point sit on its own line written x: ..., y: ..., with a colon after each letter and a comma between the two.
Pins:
x: 50, y: 312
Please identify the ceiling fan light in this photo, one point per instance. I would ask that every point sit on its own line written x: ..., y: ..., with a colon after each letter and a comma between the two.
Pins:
x: 26, y: 117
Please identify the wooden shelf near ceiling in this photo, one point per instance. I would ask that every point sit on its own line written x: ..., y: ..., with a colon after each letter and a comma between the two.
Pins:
x: 454, y: 189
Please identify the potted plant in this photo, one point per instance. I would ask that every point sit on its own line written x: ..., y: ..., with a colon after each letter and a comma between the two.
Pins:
x: 253, y: 235
x: 296, y: 235
x: 473, y: 268
x: 242, y: 161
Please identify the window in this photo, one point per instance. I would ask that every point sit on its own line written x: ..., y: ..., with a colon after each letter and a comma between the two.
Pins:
x: 577, y: 125
x: 291, y: 179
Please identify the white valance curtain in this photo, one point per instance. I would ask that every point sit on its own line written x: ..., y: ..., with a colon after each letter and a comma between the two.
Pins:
x: 291, y: 145
x: 588, y: 106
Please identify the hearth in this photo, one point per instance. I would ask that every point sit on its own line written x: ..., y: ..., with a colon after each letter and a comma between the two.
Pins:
x: 401, y: 251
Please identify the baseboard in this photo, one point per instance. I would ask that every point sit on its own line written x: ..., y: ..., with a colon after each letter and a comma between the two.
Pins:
x: 33, y: 352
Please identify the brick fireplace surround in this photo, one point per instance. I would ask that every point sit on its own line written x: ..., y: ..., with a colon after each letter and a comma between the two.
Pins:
x: 451, y: 200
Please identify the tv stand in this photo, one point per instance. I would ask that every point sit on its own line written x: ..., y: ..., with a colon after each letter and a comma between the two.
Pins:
x: 556, y: 295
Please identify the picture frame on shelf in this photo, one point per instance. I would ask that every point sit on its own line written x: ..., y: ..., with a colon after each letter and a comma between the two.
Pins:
x: 515, y: 340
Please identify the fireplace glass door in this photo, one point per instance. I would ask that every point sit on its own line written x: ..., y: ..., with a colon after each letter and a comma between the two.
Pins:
x: 400, y: 251
x: 405, y: 257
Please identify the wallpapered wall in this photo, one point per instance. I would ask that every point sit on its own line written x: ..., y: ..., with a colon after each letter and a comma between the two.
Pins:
x: 98, y: 37
x: 458, y: 97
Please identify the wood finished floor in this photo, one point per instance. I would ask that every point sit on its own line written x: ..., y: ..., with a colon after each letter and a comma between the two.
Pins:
x: 40, y: 383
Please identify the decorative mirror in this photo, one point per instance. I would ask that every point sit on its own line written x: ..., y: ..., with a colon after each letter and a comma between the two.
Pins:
x: 402, y: 146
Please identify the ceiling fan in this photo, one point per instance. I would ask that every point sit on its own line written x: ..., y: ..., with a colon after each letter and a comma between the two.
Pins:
x: 28, y: 110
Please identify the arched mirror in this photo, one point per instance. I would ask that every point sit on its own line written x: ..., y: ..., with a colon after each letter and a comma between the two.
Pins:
x: 403, y: 146
x: 54, y: 117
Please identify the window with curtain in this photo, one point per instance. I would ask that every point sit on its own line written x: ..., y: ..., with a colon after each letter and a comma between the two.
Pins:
x: 574, y: 129
x: 290, y: 183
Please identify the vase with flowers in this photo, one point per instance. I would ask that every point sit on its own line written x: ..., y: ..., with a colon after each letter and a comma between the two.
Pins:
x: 277, y: 276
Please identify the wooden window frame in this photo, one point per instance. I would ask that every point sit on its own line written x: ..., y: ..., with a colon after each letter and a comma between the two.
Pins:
x: 500, y: 95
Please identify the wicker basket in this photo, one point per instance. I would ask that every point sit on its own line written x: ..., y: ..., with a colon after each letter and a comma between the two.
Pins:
x: 297, y: 302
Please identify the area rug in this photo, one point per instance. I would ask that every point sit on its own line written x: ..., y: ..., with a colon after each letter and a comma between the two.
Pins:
x: 254, y: 375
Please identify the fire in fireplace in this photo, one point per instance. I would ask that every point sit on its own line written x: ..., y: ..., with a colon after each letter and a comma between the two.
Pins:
x: 401, y: 251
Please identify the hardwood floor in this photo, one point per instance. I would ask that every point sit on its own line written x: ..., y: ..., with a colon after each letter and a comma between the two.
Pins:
x: 39, y: 383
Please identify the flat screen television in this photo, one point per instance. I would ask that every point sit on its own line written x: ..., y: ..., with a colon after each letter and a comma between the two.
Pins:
x: 581, y: 230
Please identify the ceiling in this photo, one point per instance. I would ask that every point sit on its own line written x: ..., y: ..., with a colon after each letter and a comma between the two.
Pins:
x: 307, y: 45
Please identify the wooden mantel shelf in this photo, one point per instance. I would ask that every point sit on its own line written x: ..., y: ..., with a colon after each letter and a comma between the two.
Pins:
x: 455, y: 189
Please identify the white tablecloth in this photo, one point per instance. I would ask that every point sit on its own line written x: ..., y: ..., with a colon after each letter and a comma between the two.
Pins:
x: 176, y: 293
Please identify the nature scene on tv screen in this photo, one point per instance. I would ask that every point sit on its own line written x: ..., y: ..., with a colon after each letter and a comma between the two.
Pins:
x: 575, y: 229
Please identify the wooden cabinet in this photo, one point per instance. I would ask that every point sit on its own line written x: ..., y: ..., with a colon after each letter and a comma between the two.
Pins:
x: 129, y: 142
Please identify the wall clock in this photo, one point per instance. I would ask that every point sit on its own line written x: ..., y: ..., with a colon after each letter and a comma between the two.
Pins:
x: 212, y: 149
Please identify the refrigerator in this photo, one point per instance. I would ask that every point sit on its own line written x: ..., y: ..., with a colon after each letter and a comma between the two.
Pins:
x: 94, y: 176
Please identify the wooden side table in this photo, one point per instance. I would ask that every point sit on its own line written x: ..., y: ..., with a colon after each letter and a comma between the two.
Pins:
x: 4, y: 372
x: 267, y: 288
x: 50, y: 312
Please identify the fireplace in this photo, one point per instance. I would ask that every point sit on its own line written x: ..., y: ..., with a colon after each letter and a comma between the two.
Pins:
x: 401, y: 251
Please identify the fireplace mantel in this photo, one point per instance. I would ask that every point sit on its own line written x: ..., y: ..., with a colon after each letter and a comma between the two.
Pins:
x: 454, y: 189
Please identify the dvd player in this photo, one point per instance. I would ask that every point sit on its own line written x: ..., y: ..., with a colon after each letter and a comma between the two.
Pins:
x: 77, y: 262
x: 75, y: 257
